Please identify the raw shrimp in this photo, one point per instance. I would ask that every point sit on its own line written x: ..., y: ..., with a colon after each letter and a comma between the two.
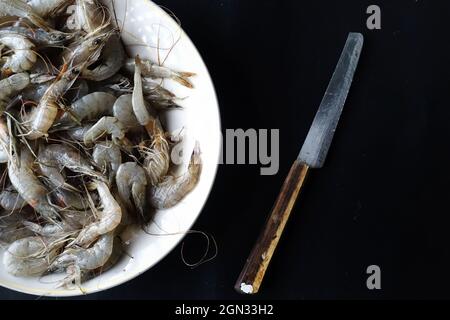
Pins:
x: 28, y: 185
x: 132, y: 183
x: 108, y: 157
x: 45, y: 8
x: 156, y: 157
x: 11, y: 201
x: 43, y: 116
x: 86, y: 48
x: 29, y: 256
x: 12, y: 85
x: 117, y: 253
x: 123, y: 111
x: 139, y: 106
x: 24, y: 56
x: 21, y: 9
x: 38, y: 36
x: 54, y: 158
x: 78, y: 260
x: 108, y: 218
x: 84, y: 146
x: 154, y: 71
x: 106, y: 125
x: 89, y: 107
x: 112, y: 58
x: 173, y: 189
x: 91, y: 16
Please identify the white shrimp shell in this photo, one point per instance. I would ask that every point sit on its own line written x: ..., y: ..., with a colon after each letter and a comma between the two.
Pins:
x: 23, y: 58
x: 18, y: 258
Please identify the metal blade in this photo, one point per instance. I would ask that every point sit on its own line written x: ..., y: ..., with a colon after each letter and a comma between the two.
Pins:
x: 318, y: 141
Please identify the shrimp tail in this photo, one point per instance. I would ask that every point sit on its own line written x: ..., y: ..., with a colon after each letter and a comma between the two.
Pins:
x: 183, y: 78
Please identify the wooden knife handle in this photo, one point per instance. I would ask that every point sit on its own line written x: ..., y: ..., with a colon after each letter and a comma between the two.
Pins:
x: 257, y: 263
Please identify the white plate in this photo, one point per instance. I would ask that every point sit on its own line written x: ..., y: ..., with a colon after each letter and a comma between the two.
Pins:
x: 200, y: 120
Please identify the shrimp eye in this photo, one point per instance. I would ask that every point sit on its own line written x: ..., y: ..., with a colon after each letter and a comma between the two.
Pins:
x: 96, y: 42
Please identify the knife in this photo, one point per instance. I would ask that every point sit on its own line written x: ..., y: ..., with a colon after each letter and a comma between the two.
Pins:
x: 312, y: 156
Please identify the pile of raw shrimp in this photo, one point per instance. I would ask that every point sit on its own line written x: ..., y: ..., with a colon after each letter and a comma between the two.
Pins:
x: 82, y: 146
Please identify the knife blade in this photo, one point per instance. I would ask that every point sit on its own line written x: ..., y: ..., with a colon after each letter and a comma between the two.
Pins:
x: 318, y: 140
x: 312, y: 155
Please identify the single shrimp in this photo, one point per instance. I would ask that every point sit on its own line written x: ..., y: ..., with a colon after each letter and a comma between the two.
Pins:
x: 108, y: 157
x: 79, y: 260
x: 112, y: 59
x: 139, y: 106
x: 173, y: 189
x: 23, y: 57
x: 40, y: 37
x: 106, y: 125
x: 28, y: 185
x: 89, y: 107
x: 43, y: 116
x: 154, y: 71
x: 12, y: 85
x: 30, y: 256
x: 54, y: 158
x: 21, y: 9
x: 132, y: 183
x: 108, y: 218
x: 156, y: 157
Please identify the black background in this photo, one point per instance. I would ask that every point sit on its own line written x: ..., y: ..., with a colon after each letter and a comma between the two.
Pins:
x: 383, y: 195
